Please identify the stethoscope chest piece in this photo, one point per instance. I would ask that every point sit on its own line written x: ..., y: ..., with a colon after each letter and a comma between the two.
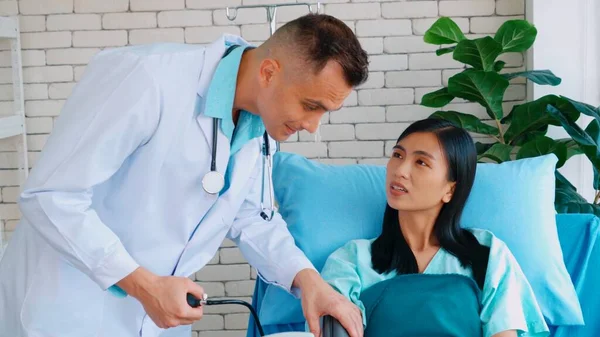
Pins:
x: 213, y: 182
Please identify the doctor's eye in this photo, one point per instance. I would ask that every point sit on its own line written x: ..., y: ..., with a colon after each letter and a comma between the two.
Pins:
x: 311, y: 107
x: 396, y: 155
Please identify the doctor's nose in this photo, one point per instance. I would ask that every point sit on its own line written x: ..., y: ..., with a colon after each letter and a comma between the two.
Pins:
x: 312, y: 124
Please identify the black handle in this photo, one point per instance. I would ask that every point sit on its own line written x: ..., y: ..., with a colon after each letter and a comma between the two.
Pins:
x: 193, y: 301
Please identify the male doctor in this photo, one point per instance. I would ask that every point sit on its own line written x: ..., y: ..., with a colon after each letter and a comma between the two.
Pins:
x: 154, y: 160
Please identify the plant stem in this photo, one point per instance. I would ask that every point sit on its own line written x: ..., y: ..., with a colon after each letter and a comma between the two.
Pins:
x: 501, y: 140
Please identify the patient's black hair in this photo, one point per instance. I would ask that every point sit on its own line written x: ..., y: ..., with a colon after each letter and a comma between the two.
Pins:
x: 390, y: 251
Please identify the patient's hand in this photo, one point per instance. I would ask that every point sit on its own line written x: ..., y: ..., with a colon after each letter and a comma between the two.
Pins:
x: 320, y: 299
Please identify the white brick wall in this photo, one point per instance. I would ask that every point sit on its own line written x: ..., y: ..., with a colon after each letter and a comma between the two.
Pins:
x: 60, y: 36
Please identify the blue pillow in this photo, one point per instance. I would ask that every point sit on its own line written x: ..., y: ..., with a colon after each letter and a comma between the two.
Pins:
x: 515, y: 201
x: 327, y: 205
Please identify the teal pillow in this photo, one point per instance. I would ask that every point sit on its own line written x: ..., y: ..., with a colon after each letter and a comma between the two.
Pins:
x: 325, y: 206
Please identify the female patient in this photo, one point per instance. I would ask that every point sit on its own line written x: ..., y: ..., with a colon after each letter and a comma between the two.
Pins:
x: 429, y: 177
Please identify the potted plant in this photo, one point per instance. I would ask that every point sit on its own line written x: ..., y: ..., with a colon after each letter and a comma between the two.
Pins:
x: 521, y: 132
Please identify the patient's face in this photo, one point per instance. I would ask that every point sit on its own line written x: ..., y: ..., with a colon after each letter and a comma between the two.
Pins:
x: 417, y: 174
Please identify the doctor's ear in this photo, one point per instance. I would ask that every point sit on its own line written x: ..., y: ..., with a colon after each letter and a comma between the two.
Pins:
x: 268, y: 69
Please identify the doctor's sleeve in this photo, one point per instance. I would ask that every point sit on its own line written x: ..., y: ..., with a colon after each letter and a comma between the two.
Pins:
x: 267, y: 245
x: 112, y: 111
x: 508, y: 301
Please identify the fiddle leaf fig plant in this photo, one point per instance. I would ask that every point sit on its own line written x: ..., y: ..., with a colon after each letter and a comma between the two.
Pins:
x: 588, y: 142
x: 520, y: 132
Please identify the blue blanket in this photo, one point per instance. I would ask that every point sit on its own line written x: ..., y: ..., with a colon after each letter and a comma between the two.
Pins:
x: 423, y: 305
x: 580, y: 241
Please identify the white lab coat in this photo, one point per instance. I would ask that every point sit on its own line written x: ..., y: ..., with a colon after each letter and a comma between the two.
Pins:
x: 118, y: 185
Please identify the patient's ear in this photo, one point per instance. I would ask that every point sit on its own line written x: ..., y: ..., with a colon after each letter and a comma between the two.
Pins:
x: 448, y: 196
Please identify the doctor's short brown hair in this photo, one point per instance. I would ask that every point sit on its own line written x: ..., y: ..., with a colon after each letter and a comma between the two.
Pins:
x: 320, y: 38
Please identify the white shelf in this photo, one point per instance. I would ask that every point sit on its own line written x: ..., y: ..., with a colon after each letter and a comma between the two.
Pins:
x: 14, y: 124
x: 8, y: 27
x: 11, y: 126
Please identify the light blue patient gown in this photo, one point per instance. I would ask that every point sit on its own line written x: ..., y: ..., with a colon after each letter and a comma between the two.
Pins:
x: 508, y: 302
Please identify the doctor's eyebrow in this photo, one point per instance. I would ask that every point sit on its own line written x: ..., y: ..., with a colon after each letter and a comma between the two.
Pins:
x: 321, y: 105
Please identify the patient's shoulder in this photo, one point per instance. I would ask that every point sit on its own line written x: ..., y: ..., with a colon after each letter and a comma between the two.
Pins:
x: 357, y: 246
x: 353, y: 250
x: 487, y: 238
x: 499, y: 251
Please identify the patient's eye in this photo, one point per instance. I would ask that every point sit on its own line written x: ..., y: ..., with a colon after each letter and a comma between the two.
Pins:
x: 396, y: 155
x: 421, y: 163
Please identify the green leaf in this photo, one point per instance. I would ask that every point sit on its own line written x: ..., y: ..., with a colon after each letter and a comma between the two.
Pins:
x: 542, y: 146
x: 532, y: 116
x: 479, y: 53
x: 437, y: 99
x: 529, y: 136
x: 572, y: 147
x: 498, y: 152
x: 444, y: 31
x: 516, y: 35
x: 578, y: 208
x: 586, y: 143
x: 485, y: 88
x: 593, y: 130
x: 563, y: 182
x: 569, y: 201
x: 443, y: 51
x: 482, y: 147
x: 584, y: 108
x: 543, y: 77
x: 467, y: 122
x: 499, y: 65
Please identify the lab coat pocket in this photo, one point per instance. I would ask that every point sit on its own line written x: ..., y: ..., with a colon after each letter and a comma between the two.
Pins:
x: 62, y: 301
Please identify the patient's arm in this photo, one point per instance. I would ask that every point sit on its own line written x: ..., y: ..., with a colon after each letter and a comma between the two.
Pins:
x: 508, y: 333
x: 341, y: 272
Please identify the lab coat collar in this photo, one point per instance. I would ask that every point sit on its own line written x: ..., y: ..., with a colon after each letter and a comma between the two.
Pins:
x: 212, y: 56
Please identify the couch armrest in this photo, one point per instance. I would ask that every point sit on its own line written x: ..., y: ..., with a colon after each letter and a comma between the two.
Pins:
x: 333, y: 328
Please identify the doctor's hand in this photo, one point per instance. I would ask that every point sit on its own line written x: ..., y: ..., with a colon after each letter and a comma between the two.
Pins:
x: 164, y: 297
x: 320, y: 299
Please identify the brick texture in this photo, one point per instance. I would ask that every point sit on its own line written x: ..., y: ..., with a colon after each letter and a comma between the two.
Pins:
x: 59, y: 37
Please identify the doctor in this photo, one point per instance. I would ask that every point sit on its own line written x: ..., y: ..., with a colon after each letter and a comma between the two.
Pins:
x: 155, y: 159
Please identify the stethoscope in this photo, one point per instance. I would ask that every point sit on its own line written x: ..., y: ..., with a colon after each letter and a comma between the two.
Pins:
x: 214, y: 181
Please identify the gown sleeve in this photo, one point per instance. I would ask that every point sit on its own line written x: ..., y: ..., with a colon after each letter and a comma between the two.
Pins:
x: 342, y: 272
x: 508, y: 301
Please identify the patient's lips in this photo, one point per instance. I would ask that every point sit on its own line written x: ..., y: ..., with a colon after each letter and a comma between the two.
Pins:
x: 397, y: 189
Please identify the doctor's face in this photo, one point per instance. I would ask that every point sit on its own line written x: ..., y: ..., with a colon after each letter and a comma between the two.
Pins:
x: 293, y: 98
